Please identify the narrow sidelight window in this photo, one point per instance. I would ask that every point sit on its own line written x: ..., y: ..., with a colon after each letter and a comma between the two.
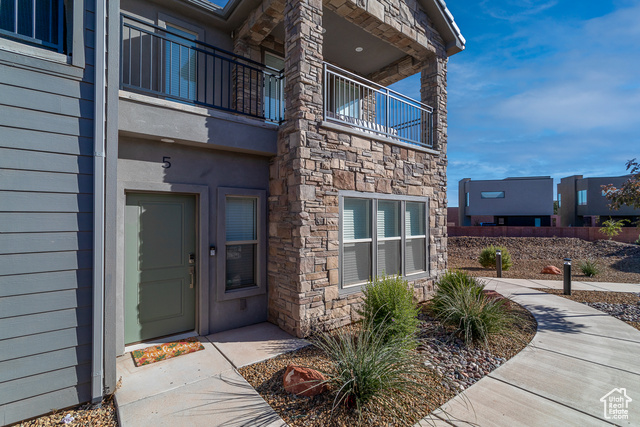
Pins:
x: 241, y: 245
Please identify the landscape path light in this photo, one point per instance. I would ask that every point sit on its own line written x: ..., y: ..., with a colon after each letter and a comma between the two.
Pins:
x: 499, y: 262
x: 567, y: 276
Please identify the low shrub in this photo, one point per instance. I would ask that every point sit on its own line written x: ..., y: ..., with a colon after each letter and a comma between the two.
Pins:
x: 638, y: 241
x: 460, y: 302
x: 487, y: 257
x: 589, y: 268
x: 372, y: 366
x: 389, y: 300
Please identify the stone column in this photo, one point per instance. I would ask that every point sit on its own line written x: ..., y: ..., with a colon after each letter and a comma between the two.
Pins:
x: 433, y: 92
x: 294, y: 278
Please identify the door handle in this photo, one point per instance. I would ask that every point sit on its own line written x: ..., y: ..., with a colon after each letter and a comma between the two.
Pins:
x: 192, y: 269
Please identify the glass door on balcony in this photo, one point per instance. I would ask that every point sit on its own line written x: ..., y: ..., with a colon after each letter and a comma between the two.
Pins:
x: 180, y: 65
x: 273, y: 87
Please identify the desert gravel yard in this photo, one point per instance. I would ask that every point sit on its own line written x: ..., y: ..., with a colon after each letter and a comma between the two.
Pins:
x: 618, y: 262
x: 102, y: 415
x: 453, y: 365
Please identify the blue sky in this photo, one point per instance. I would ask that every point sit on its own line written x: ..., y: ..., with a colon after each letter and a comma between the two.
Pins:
x: 543, y: 88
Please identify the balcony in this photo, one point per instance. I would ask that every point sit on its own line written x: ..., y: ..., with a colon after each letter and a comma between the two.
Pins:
x: 356, y: 102
x: 170, y: 64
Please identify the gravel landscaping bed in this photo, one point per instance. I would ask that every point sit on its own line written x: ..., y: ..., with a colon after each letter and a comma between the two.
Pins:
x: 453, y: 365
x: 87, y: 415
x: 621, y: 305
x: 618, y: 262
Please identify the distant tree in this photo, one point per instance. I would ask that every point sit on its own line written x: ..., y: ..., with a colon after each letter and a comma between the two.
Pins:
x: 612, y: 228
x: 555, y: 207
x: 629, y: 193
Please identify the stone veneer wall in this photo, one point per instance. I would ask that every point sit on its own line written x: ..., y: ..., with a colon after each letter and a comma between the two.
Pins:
x: 314, y: 162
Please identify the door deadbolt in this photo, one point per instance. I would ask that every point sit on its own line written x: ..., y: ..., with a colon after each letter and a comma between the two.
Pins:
x: 192, y: 258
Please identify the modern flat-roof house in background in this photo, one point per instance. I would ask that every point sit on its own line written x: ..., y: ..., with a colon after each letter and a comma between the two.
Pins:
x: 522, y: 201
x: 232, y: 166
x: 582, y: 202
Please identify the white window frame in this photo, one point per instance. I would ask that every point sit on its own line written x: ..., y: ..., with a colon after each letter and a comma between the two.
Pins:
x: 374, y: 198
x: 261, y: 247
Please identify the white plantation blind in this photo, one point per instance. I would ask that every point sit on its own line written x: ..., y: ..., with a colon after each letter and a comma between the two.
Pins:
x: 388, y: 219
x: 356, y: 219
x: 415, y: 255
x: 414, y: 219
x: 240, y: 215
x: 357, y: 262
x: 389, y: 257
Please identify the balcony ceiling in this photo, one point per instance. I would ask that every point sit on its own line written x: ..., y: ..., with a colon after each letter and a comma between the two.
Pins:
x: 341, y: 40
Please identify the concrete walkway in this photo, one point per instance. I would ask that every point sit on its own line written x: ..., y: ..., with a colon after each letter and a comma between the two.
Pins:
x: 578, y: 356
x: 203, y: 388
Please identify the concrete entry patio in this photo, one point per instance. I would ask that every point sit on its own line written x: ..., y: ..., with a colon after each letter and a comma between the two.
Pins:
x: 203, y: 388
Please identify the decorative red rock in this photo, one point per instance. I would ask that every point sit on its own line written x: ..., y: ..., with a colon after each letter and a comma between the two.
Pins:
x: 494, y: 295
x: 551, y: 269
x: 303, y: 381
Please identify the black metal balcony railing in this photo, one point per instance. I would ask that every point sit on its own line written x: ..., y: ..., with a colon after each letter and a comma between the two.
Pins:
x: 170, y: 64
x: 355, y: 101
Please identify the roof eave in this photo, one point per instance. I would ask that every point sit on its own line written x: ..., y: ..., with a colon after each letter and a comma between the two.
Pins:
x: 446, y: 25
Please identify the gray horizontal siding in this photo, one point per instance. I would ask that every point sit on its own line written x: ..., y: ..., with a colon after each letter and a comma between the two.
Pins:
x: 46, y: 83
x: 45, y: 362
x: 59, y: 399
x: 33, y: 324
x: 23, y: 388
x: 39, y: 120
x: 41, y: 343
x: 44, y: 282
x: 18, y: 180
x: 18, y: 222
x: 45, y: 261
x: 27, y: 139
x: 44, y: 162
x: 46, y: 102
x: 22, y: 305
x: 46, y: 238
x: 16, y: 243
x: 17, y: 201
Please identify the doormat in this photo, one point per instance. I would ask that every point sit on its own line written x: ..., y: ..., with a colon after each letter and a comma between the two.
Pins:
x: 166, y: 351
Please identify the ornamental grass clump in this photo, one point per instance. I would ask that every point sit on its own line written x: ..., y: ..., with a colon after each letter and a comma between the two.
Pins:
x: 589, y: 268
x: 388, y: 301
x: 460, y: 302
x: 369, y: 366
x: 487, y: 257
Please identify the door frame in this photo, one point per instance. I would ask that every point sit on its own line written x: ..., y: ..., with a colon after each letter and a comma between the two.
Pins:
x: 201, y: 193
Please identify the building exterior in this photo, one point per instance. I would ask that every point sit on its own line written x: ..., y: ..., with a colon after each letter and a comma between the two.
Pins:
x: 582, y: 202
x: 522, y: 201
x: 173, y: 166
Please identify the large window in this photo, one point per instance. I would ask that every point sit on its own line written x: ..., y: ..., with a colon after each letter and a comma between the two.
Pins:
x: 582, y: 197
x: 384, y: 234
x: 38, y: 22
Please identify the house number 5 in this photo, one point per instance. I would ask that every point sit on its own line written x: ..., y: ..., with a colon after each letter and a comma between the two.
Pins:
x: 167, y: 163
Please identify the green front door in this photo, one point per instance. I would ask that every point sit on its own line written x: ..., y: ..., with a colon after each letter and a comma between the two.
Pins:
x: 160, y: 258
